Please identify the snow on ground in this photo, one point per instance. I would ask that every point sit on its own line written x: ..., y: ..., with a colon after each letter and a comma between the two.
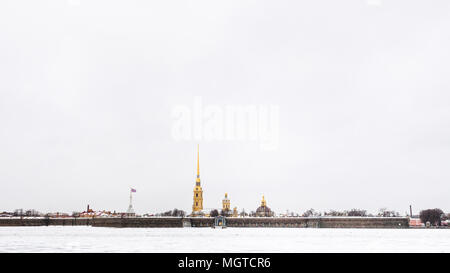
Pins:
x: 97, y: 239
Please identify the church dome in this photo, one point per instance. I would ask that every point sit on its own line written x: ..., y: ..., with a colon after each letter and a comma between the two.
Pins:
x: 264, y: 210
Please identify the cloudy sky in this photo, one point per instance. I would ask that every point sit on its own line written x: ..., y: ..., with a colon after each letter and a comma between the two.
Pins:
x: 87, y: 90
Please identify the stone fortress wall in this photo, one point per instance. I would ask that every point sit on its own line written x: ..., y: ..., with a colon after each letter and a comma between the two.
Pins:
x: 167, y: 222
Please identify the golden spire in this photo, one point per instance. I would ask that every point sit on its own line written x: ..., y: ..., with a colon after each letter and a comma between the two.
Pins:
x: 198, y: 160
x: 197, y: 205
x: 263, y: 202
x: 198, y: 166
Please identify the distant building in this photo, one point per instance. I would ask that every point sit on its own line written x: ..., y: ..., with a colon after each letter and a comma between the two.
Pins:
x: 90, y: 213
x: 264, y: 210
x: 6, y: 214
x: 415, y: 222
x: 235, y: 212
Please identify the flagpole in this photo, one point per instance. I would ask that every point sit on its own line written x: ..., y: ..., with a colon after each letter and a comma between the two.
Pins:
x: 131, y: 197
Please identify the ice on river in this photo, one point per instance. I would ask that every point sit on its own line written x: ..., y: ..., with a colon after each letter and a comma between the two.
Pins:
x: 99, y: 239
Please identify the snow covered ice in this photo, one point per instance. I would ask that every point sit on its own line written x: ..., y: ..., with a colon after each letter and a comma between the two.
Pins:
x: 97, y: 239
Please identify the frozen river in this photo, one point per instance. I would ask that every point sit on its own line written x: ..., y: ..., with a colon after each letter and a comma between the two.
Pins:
x: 97, y: 239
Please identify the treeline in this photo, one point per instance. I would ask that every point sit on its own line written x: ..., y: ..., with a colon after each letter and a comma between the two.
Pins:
x: 174, y: 212
x: 21, y: 212
x: 243, y: 213
x: 215, y: 212
x: 383, y: 212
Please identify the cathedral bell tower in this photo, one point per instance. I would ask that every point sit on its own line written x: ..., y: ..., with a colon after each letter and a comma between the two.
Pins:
x: 197, y: 206
x: 226, y: 203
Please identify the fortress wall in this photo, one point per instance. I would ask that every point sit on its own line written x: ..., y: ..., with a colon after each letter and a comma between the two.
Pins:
x: 138, y: 222
x: 292, y: 222
x: 364, y: 222
x: 320, y: 222
x: 201, y: 222
x: 48, y: 221
x: 21, y: 222
x: 45, y: 221
x: 271, y: 222
x: 68, y: 221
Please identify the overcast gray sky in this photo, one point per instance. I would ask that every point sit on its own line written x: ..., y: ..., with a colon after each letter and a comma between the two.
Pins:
x: 87, y: 89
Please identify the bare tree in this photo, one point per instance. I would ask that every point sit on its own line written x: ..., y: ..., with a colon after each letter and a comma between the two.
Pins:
x: 18, y: 212
x: 311, y: 212
x: 335, y: 213
x: 167, y: 213
x: 434, y: 216
x: 225, y: 212
x: 243, y: 213
x: 357, y: 212
x: 178, y: 213
x: 383, y: 212
x: 75, y: 214
x: 214, y: 213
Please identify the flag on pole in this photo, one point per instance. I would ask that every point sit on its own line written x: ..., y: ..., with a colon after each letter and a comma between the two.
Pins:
x: 133, y: 190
